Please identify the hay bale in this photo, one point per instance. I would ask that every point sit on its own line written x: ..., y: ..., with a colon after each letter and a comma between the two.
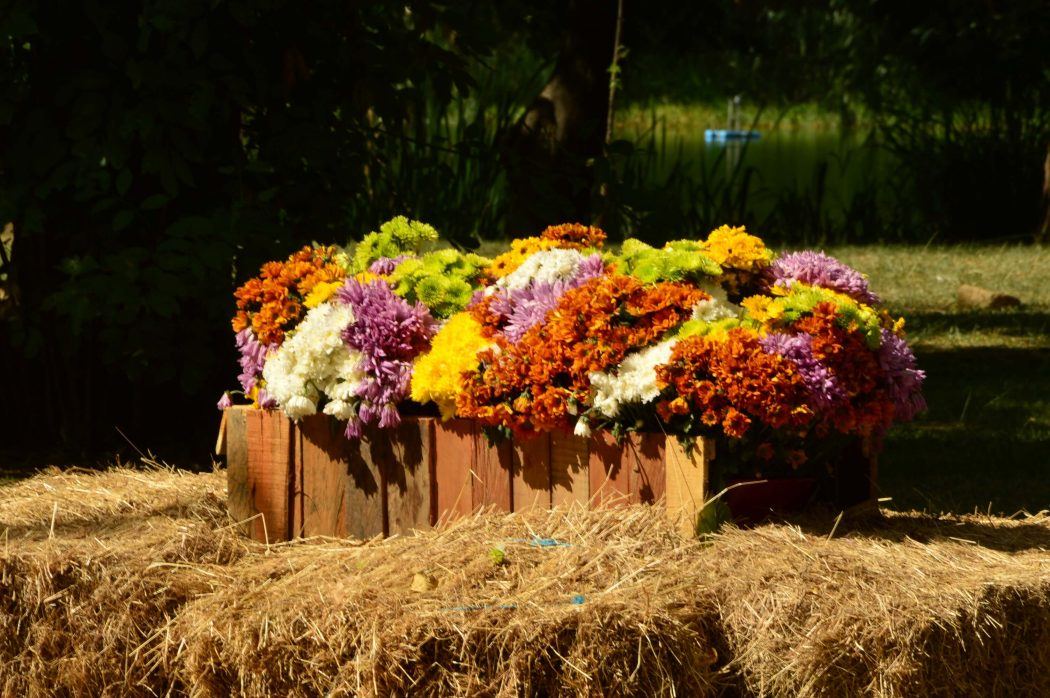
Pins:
x: 606, y: 608
x: 917, y: 606
x: 147, y: 590
x: 55, y: 499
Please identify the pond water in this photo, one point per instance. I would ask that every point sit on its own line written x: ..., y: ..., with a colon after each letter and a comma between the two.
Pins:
x: 826, y: 170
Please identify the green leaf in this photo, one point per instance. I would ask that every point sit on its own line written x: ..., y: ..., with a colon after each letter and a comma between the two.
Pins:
x: 123, y: 219
x: 152, y: 203
x: 123, y: 181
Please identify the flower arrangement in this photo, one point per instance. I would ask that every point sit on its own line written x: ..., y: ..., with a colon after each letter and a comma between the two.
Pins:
x: 716, y: 337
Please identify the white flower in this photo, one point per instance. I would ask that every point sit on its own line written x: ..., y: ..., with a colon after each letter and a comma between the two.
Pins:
x: 340, y: 409
x: 312, y: 360
x: 546, y: 266
x: 582, y: 428
x: 633, y: 381
x: 298, y: 407
x: 717, y: 307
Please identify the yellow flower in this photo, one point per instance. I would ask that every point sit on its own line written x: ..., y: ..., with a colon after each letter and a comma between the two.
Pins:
x: 321, y: 292
x: 762, y: 308
x: 734, y: 247
x: 520, y: 250
x: 437, y: 376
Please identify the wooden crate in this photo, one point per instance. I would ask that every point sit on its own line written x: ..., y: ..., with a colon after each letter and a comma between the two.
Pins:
x: 289, y: 480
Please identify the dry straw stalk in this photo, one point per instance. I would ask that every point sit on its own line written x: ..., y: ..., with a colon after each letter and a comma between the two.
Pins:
x: 134, y: 582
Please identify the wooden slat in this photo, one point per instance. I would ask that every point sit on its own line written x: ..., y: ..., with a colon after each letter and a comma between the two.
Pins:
x: 220, y: 440
x: 453, y: 456
x: 365, y: 493
x: 324, y: 468
x: 403, y: 458
x: 644, y: 455
x: 491, y: 473
x: 687, y: 482
x: 270, y: 473
x: 570, y: 479
x: 238, y: 491
x: 610, y: 480
x: 532, y: 473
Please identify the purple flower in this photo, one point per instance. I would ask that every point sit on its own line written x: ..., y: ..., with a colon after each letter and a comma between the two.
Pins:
x: 818, y: 269
x: 224, y: 402
x: 386, y: 265
x: 253, y: 357
x: 265, y: 401
x: 903, y: 378
x: 525, y: 308
x: 823, y: 387
x: 389, y: 333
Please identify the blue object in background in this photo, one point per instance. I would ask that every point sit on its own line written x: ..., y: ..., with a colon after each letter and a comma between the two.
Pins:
x: 721, y: 135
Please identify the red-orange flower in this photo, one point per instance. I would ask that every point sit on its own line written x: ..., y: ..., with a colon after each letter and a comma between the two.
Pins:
x: 271, y: 303
x: 733, y: 383
x: 539, y: 378
x: 574, y: 235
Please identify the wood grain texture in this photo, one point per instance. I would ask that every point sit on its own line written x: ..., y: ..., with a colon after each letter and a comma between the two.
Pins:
x: 531, y: 464
x: 238, y: 492
x: 610, y: 480
x: 220, y: 440
x: 644, y: 455
x: 323, y: 474
x: 570, y: 479
x: 270, y: 460
x: 453, y: 455
x: 686, y: 482
x: 402, y: 456
x: 491, y: 473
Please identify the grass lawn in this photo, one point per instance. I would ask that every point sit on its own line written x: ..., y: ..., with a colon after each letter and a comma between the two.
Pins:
x: 985, y: 442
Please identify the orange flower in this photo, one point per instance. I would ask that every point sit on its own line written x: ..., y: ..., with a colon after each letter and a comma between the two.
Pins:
x: 272, y: 303
x: 574, y: 235
x: 591, y: 329
x: 734, y: 383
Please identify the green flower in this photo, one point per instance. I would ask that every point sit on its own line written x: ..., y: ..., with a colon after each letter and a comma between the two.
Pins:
x: 396, y: 237
x: 676, y: 261
x: 443, y: 280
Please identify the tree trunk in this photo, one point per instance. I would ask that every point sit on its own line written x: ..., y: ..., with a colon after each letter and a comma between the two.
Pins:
x: 547, y: 152
x: 1043, y: 234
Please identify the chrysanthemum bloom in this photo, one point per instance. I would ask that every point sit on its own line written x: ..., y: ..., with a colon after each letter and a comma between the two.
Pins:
x: 272, y: 303
x: 819, y: 269
x: 735, y: 248
x: 824, y: 391
x: 389, y: 334
x: 525, y: 302
x: 530, y: 385
x: 902, y: 376
x: 734, y: 383
x: 253, y: 358
x: 314, y: 362
x: 574, y: 234
x: 437, y: 376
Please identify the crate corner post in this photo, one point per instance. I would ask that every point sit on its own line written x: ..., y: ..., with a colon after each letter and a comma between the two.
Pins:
x: 687, y: 483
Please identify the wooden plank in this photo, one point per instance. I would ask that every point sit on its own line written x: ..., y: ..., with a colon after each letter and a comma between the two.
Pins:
x: 220, y: 440
x: 403, y: 457
x: 324, y: 475
x: 610, y: 480
x: 365, y: 493
x: 453, y: 455
x: 570, y: 481
x: 686, y: 488
x: 491, y: 473
x: 238, y: 491
x: 644, y: 455
x: 531, y: 463
x: 270, y: 473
